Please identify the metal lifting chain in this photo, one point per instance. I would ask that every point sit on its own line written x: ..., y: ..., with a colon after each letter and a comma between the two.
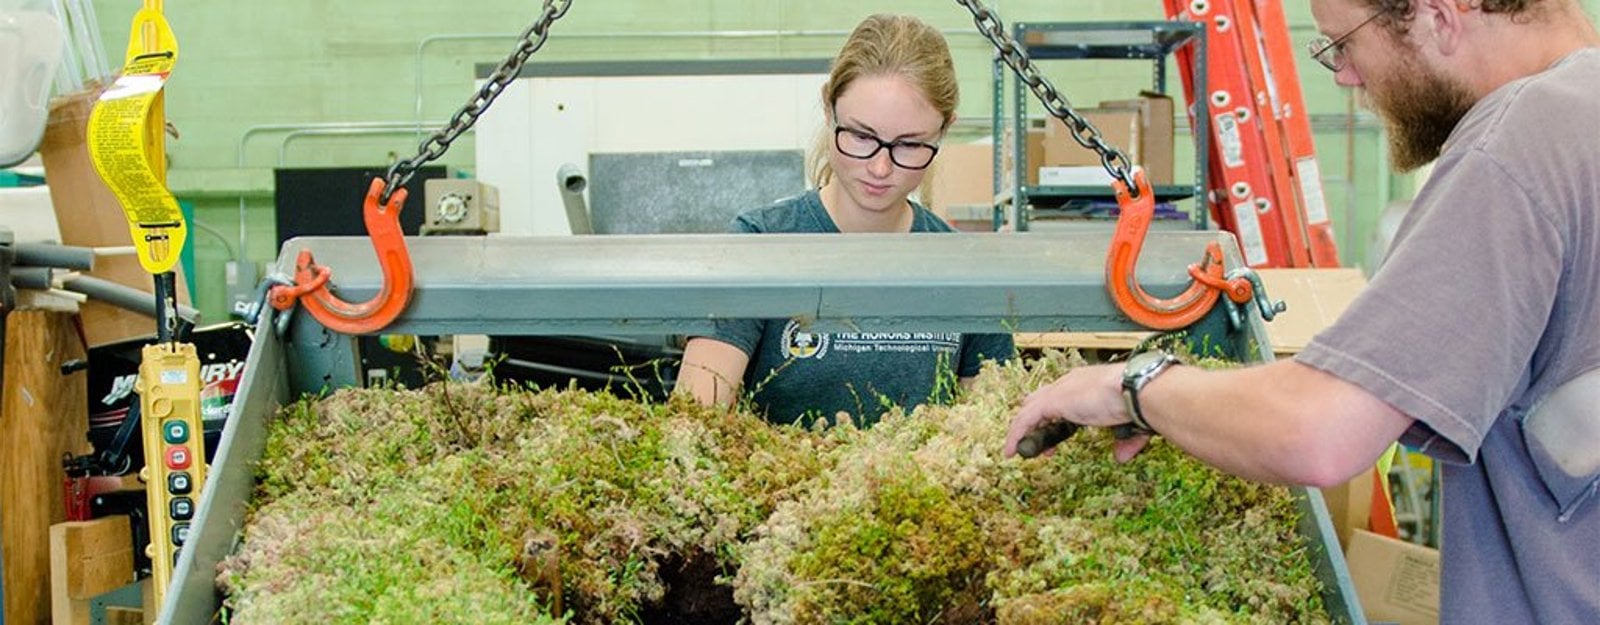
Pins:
x: 436, y: 144
x: 1115, y: 162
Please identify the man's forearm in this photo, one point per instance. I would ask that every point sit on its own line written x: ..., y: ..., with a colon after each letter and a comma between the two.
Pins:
x: 1282, y: 423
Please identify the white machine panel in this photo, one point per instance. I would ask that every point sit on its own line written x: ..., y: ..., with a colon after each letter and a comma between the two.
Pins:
x: 559, y: 113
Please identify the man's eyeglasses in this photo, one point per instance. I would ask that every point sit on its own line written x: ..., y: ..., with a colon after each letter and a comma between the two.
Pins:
x: 864, y: 145
x: 1330, y: 52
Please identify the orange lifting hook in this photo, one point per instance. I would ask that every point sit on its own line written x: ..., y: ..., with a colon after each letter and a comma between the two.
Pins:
x: 1147, y: 310
x: 311, y: 279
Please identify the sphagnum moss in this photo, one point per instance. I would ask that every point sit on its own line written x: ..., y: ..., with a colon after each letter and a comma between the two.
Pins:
x: 472, y: 503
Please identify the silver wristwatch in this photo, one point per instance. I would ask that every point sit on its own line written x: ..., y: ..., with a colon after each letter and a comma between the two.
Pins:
x: 1140, y: 370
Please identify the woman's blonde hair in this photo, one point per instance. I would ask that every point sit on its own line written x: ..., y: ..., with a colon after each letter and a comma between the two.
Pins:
x: 888, y: 45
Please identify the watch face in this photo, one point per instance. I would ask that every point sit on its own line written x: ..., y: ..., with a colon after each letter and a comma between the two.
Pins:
x: 1142, y: 363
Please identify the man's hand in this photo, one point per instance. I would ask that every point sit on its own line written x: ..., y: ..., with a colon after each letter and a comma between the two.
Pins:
x: 1090, y: 396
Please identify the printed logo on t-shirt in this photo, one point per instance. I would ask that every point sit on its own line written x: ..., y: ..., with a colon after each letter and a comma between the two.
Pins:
x: 798, y: 343
x: 895, y: 342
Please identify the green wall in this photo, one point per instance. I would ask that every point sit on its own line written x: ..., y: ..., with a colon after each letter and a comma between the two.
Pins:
x: 245, y: 65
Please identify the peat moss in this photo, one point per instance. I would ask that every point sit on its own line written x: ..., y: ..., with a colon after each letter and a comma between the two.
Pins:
x: 473, y: 503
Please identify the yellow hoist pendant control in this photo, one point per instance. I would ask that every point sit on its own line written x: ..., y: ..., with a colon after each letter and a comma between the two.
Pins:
x: 127, y: 147
x: 174, y: 451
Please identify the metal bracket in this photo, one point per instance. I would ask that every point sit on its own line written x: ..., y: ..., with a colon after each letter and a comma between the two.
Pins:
x: 130, y: 596
x: 1258, y: 296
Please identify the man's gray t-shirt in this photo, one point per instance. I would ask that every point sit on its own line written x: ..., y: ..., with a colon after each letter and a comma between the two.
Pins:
x: 1484, y: 326
x: 795, y: 373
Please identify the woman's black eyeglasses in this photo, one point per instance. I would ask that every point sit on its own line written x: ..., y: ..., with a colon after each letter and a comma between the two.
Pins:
x: 864, y: 145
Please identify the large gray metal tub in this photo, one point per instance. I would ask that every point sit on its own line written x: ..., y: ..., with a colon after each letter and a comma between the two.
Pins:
x: 675, y: 285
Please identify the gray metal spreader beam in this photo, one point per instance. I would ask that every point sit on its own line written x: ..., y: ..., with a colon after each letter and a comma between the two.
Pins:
x: 678, y: 284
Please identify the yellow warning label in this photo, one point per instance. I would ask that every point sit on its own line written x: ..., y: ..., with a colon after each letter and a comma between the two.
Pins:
x: 126, y: 144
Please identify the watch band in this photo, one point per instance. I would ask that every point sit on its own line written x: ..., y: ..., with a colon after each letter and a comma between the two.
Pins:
x: 1140, y: 370
x: 1137, y: 414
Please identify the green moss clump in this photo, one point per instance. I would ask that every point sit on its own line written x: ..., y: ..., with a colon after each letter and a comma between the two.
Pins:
x: 312, y: 559
x: 422, y: 506
x: 915, y: 544
x: 476, y: 470
x: 1074, y: 538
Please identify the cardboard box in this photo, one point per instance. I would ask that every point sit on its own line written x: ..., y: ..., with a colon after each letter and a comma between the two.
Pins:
x: 1350, y: 506
x: 1143, y: 128
x: 1316, y: 298
x: 1036, y: 153
x: 1397, y: 581
x: 1120, y: 129
x: 1156, y: 133
x: 90, y: 216
x: 962, y: 175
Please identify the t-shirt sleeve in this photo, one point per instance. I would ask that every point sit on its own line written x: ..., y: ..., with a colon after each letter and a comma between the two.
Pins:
x: 1446, y: 329
x: 976, y: 348
x: 744, y: 334
x: 747, y: 223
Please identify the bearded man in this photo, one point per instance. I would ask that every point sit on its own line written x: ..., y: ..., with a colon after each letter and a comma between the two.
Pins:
x: 1477, y: 342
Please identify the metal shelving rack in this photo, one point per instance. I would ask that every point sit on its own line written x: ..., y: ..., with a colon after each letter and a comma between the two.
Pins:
x: 1015, y: 200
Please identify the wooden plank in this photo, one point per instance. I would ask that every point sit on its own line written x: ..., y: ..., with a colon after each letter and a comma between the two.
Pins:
x: 1079, y: 340
x: 101, y: 552
x: 124, y: 616
x: 43, y: 415
x: 64, y: 610
x: 147, y: 596
x: 1315, y: 299
x: 87, y: 559
x: 34, y: 299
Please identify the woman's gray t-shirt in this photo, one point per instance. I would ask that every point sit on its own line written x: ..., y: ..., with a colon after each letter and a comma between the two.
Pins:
x: 796, y: 374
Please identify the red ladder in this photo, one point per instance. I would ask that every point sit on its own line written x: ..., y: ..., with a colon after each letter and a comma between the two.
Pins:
x: 1265, y: 183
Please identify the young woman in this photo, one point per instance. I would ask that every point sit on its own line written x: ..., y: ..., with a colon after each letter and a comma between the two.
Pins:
x: 889, y: 99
